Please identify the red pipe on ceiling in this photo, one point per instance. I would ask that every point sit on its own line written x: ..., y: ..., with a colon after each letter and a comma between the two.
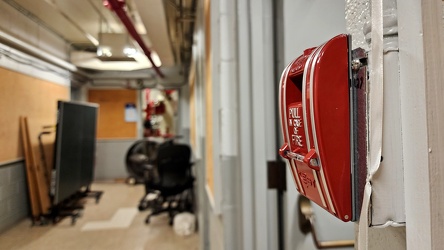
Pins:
x: 117, y: 7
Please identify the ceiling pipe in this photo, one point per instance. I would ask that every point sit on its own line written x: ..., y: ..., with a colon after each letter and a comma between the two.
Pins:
x: 117, y: 7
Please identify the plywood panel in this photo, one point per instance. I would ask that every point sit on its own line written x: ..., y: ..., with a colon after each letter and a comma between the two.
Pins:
x: 30, y: 177
x: 111, y: 120
x: 22, y: 95
x: 208, y: 102
x: 36, y: 171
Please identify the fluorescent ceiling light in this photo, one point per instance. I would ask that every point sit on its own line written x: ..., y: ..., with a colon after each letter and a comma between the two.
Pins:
x: 104, y: 51
x: 90, y: 60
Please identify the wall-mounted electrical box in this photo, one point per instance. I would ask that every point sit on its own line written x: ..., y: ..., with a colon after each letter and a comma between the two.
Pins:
x: 322, y: 102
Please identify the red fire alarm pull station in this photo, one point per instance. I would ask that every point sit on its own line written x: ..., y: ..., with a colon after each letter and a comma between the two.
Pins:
x: 322, y: 106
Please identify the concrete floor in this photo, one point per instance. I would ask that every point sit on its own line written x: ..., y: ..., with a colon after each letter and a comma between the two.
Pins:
x: 133, y: 233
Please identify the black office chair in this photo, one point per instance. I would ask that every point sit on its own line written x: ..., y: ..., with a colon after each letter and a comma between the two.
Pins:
x: 172, y: 181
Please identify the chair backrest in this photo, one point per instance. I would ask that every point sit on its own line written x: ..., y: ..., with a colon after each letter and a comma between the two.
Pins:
x: 173, y: 164
x: 144, y: 147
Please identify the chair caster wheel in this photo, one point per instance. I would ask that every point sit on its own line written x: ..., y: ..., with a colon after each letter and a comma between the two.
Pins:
x: 143, y: 206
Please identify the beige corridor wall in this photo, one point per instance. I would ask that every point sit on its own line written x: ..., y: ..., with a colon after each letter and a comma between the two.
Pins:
x: 22, y: 95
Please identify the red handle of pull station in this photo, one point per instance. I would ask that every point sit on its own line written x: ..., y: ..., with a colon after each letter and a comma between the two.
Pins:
x: 283, y: 151
x: 311, y: 158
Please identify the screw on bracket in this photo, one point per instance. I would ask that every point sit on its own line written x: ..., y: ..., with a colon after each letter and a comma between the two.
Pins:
x: 356, y: 64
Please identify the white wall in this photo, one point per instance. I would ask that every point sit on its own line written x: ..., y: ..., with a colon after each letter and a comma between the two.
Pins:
x: 110, y: 159
x: 308, y: 24
x: 421, y: 55
x: 357, y: 12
